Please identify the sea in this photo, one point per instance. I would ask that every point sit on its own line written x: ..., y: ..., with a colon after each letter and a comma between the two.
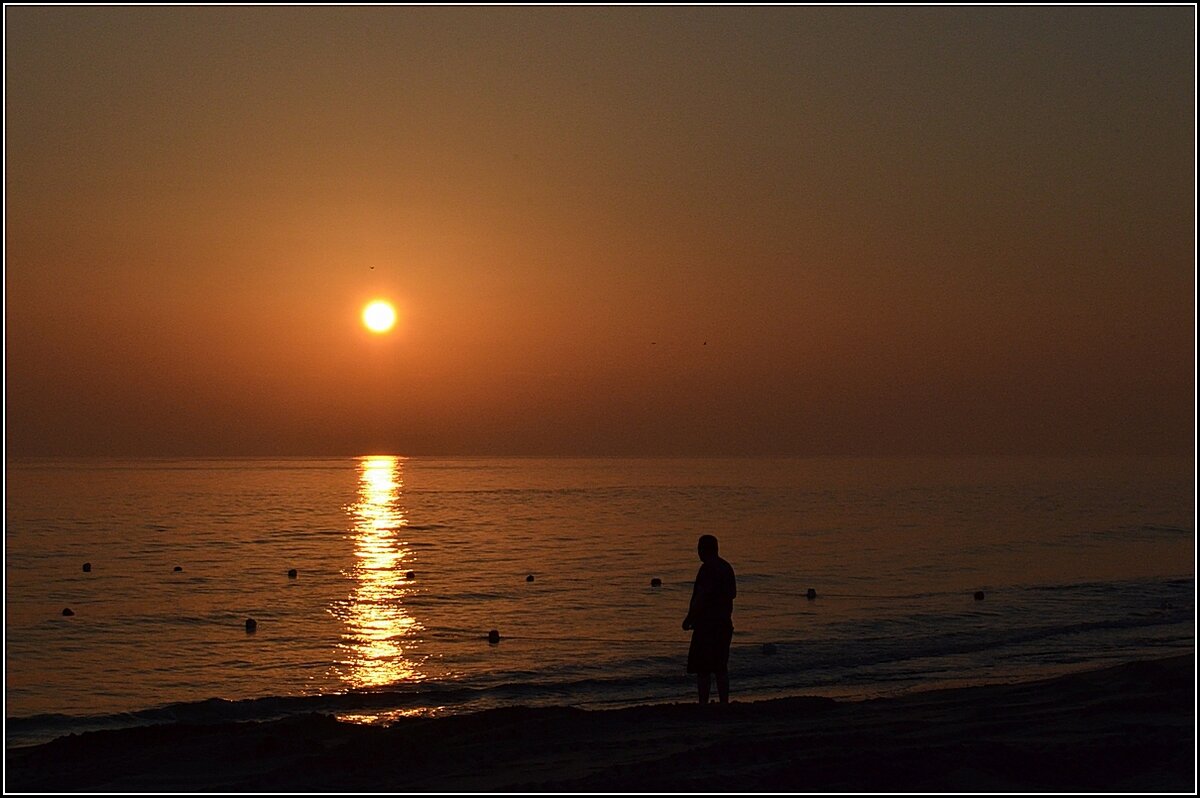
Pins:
x: 375, y: 582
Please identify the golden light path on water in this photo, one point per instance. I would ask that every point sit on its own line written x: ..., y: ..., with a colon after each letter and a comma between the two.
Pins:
x: 378, y: 628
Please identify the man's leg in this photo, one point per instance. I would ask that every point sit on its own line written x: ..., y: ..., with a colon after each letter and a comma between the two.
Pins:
x: 702, y: 685
x: 723, y: 686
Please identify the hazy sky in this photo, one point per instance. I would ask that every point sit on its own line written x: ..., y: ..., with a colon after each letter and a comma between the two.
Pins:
x: 786, y: 230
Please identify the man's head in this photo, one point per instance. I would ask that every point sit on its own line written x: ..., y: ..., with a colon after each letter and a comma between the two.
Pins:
x: 707, y: 547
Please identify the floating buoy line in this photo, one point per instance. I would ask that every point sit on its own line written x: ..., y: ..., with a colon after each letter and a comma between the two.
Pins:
x: 494, y: 637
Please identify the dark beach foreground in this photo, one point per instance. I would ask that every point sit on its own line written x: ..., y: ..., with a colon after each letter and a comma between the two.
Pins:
x: 1129, y: 728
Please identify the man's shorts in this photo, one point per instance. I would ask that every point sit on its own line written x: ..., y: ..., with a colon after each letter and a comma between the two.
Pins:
x: 709, y: 652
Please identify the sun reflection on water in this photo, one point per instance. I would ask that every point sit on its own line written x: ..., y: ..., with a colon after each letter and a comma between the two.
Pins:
x: 378, y: 628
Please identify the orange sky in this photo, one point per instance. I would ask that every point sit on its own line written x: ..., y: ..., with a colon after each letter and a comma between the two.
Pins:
x: 849, y: 230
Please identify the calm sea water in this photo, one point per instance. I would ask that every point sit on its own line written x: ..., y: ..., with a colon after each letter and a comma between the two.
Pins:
x: 1082, y: 563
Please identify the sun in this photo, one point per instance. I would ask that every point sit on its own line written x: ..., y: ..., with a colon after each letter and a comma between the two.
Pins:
x: 379, y: 316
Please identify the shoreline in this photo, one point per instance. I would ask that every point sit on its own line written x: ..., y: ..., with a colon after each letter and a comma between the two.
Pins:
x: 1128, y: 727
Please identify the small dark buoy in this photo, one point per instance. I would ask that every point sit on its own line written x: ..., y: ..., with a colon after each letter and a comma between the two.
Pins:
x: 292, y: 573
x: 251, y: 625
x: 411, y: 575
x: 529, y: 578
x: 494, y: 636
x: 979, y: 595
x: 68, y: 611
x: 812, y: 593
x: 177, y: 568
x: 87, y: 567
x: 656, y: 582
x: 769, y: 648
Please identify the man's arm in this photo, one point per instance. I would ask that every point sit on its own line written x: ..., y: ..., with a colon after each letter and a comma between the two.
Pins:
x: 688, y: 622
x: 700, y: 591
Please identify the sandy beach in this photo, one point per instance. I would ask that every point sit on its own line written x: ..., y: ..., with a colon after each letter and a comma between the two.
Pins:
x: 1129, y: 728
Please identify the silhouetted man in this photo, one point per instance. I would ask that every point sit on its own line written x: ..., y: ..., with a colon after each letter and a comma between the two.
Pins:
x: 710, y: 617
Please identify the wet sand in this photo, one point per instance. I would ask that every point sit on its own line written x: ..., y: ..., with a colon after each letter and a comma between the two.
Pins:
x: 1129, y: 728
